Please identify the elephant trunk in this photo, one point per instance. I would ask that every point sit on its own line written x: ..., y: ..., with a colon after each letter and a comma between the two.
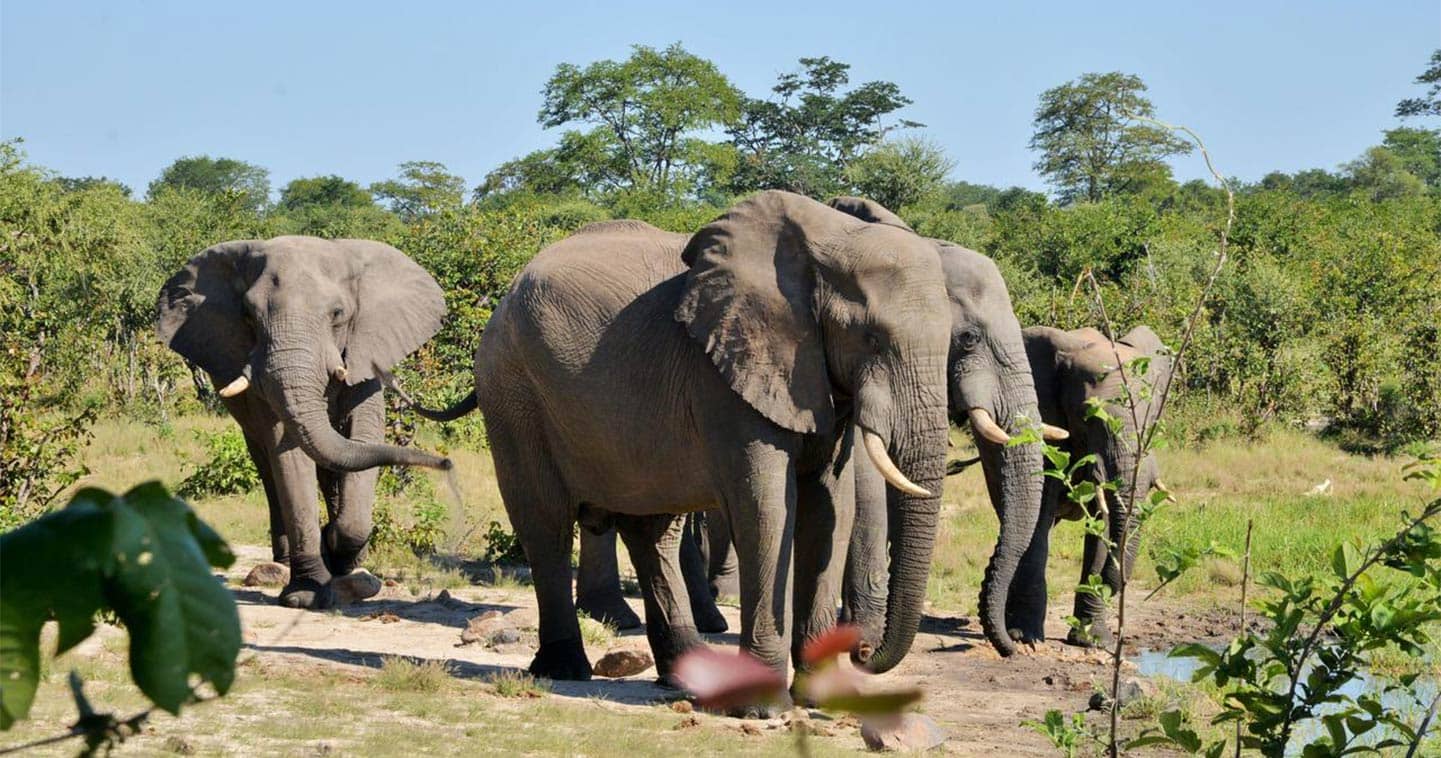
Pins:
x: 299, y: 378
x: 921, y: 456
x: 1013, y: 476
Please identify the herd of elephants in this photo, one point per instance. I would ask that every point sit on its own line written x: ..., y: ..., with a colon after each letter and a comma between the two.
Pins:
x: 634, y: 379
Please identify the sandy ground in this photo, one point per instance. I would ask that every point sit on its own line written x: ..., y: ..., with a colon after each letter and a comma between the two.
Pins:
x: 976, y: 696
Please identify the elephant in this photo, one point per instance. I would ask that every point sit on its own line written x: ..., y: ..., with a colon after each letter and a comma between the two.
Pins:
x: 988, y: 378
x: 1073, y: 370
x: 294, y: 330
x: 632, y: 375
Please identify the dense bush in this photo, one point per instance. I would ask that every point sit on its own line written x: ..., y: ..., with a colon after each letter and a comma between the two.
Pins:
x: 226, y: 470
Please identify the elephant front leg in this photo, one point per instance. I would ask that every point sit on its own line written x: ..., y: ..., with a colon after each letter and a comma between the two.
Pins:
x: 825, y: 513
x: 654, y: 543
x: 597, y: 584
x: 359, y: 414
x: 1026, y: 601
x: 279, y: 539
x: 693, y: 561
x: 295, y: 482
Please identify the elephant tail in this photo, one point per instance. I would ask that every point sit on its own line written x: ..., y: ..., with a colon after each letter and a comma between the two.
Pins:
x: 466, y: 405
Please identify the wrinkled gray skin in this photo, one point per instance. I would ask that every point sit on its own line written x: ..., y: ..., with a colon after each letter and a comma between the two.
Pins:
x: 633, y: 375
x: 289, y: 314
x: 1071, y: 367
x: 987, y: 369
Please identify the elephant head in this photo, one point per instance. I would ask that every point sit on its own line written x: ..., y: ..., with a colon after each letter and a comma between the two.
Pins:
x: 290, y: 317
x: 1073, y: 370
x: 989, y: 389
x: 815, y: 318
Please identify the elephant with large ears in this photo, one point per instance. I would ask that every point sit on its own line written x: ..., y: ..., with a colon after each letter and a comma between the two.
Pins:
x: 632, y: 375
x: 1074, y: 370
x: 990, y: 391
x: 294, y: 331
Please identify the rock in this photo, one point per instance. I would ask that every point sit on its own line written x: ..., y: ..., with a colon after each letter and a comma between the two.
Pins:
x: 524, y: 618
x: 357, y: 585
x: 689, y: 722
x: 268, y: 574
x: 504, y: 636
x: 450, y: 601
x: 1098, y: 702
x: 480, y: 628
x: 910, y: 731
x: 682, y: 706
x: 751, y: 729
x: 1136, y: 688
x: 180, y: 745
x: 618, y: 663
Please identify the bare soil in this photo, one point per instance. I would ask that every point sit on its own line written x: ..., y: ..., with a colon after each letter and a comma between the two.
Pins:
x: 979, y: 698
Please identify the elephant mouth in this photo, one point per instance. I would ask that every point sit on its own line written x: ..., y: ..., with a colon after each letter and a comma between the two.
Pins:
x: 875, y: 448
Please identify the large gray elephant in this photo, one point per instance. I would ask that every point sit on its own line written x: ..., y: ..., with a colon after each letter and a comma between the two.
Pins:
x: 1072, y: 369
x: 988, y: 379
x: 633, y: 374
x: 293, y: 330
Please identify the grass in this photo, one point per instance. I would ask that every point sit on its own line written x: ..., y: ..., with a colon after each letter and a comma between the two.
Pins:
x: 514, y: 683
x: 399, y: 674
x: 596, y: 634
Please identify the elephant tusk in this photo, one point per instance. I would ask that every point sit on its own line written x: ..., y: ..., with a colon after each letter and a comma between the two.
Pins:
x: 1101, y: 503
x: 1054, y: 433
x: 1160, y: 485
x: 340, y: 373
x: 986, y: 426
x: 876, y: 449
x: 241, y: 384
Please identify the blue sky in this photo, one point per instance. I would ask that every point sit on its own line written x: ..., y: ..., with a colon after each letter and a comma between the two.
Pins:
x: 305, y: 88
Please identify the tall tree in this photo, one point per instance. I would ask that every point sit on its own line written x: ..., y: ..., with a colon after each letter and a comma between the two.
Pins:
x: 423, y: 188
x: 216, y: 176
x: 1419, y: 151
x: 82, y: 183
x: 900, y: 172
x: 329, y: 190
x: 1091, y: 144
x: 1381, y: 175
x: 1430, y: 104
x: 645, y: 113
x: 803, y: 138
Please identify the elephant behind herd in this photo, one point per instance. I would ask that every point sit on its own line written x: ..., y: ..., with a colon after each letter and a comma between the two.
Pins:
x: 633, y: 375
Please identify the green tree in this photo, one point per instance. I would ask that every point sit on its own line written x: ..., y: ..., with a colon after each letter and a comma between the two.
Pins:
x: 1090, y: 143
x: 82, y: 183
x: 1430, y: 104
x: 422, y: 189
x: 645, y: 113
x: 1381, y: 175
x: 1418, y: 150
x: 216, y: 176
x: 329, y: 190
x: 900, y: 172
x: 803, y: 138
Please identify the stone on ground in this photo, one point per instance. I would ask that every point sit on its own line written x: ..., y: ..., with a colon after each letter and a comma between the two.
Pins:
x: 909, y: 731
x: 624, y: 662
x: 268, y: 574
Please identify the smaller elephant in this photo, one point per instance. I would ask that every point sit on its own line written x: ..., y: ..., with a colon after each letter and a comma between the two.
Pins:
x: 1073, y: 370
x: 295, y: 331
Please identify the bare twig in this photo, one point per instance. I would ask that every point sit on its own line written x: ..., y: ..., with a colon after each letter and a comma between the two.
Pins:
x: 1245, y: 580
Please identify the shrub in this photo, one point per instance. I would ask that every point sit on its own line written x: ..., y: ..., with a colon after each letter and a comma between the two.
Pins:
x: 227, y: 470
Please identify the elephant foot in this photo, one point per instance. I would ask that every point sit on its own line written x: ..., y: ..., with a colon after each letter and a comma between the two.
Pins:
x: 708, y: 618
x: 1026, y: 634
x: 727, y: 585
x: 1094, y: 635
x: 609, y: 609
x: 355, y: 586
x: 770, y: 710
x: 339, y: 559
x: 669, y: 649
x: 308, y: 594
x: 564, y: 660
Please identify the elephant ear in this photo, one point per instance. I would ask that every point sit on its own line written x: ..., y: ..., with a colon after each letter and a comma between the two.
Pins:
x: 200, y: 313
x: 398, y: 307
x: 749, y: 299
x: 867, y: 210
x: 1060, y: 372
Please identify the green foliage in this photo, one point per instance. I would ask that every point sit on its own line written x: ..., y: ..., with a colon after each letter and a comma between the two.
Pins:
x: 899, y: 172
x: 247, y: 183
x: 1070, y: 738
x: 1090, y: 144
x: 424, y: 188
x: 502, y: 546
x: 329, y: 190
x: 143, y: 555
x: 1430, y: 104
x: 226, y: 470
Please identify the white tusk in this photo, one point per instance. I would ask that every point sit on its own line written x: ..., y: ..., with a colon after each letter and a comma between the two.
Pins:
x: 339, y: 372
x: 241, y: 384
x: 1160, y: 485
x: 986, y: 426
x: 1054, y: 433
x: 876, y: 449
x: 1101, y: 502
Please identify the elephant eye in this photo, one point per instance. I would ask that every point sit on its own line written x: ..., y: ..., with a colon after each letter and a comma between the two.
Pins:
x: 968, y: 339
x: 337, y: 312
x: 873, y: 341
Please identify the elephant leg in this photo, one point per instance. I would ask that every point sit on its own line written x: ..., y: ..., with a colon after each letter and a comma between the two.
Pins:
x: 597, y: 585
x: 707, y: 616
x: 864, y: 589
x: 721, y: 562
x: 351, y: 495
x: 825, y: 513
x: 296, y: 484
x: 542, y: 514
x: 1026, y: 601
x: 279, y: 540
x: 654, y: 543
x: 1099, y: 559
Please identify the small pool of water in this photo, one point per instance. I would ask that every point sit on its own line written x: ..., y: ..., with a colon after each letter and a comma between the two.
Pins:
x: 1154, y: 663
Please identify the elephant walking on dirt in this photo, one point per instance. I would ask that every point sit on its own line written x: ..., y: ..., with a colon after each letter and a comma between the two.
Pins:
x: 989, y: 387
x: 632, y: 375
x: 294, y: 330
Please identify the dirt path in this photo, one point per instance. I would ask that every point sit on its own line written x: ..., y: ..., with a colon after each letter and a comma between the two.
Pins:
x: 976, y: 696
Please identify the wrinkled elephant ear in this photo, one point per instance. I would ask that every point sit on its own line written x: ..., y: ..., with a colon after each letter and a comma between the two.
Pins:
x: 867, y: 210
x: 748, y: 300
x: 398, y: 307
x: 200, y: 313
x: 1049, y: 352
